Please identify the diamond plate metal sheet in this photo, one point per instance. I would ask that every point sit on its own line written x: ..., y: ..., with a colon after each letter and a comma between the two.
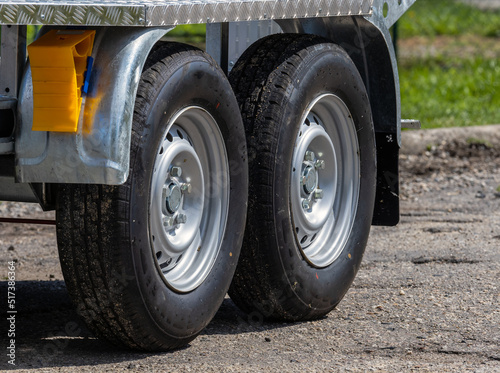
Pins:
x: 171, y: 12
x: 68, y: 12
x: 181, y: 12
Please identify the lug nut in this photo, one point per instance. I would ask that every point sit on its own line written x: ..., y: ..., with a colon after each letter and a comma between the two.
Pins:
x: 306, y: 204
x: 176, y: 171
x: 318, y: 193
x: 309, y: 156
x: 168, y: 222
x: 186, y: 188
x: 180, y: 219
x: 319, y: 164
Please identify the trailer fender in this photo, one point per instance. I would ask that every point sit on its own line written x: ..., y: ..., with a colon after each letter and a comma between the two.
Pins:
x: 98, y: 152
x: 368, y: 42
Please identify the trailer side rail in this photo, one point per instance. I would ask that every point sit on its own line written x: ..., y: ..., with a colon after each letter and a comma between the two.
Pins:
x: 162, y: 13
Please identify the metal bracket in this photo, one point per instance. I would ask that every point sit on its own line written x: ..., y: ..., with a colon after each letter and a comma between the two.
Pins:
x: 13, y: 59
x: 411, y: 124
x: 217, y: 38
x: 13, y: 52
x: 391, y: 10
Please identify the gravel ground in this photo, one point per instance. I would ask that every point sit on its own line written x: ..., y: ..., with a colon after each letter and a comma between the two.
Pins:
x: 426, y: 297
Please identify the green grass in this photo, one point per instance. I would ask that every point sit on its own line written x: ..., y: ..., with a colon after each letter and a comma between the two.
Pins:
x: 451, y: 93
x: 191, y: 34
x: 189, y: 30
x: 450, y: 90
x: 31, y: 33
x: 448, y: 17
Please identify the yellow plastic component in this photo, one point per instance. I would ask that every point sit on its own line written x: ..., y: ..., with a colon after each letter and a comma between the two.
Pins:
x: 58, y: 61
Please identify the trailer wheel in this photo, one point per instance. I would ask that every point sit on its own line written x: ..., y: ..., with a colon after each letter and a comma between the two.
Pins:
x: 312, y: 176
x: 148, y: 263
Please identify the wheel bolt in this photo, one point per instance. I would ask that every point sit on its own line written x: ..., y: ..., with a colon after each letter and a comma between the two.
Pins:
x: 306, y: 204
x: 168, y: 222
x: 186, y: 188
x: 309, y: 156
x: 319, y: 164
x: 180, y: 219
x: 318, y: 193
x: 176, y: 171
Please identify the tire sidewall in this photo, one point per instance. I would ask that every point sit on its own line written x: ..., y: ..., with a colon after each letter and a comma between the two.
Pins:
x: 322, y: 71
x: 194, y: 82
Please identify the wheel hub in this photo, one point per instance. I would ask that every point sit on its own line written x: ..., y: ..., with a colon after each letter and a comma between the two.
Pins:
x: 173, y: 198
x: 189, y: 199
x: 325, y: 180
x: 309, y: 179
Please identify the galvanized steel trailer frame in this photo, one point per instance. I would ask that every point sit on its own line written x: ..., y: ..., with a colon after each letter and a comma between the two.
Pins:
x: 126, y: 32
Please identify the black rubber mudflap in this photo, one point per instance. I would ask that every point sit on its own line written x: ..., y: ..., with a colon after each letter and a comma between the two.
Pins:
x: 386, y: 210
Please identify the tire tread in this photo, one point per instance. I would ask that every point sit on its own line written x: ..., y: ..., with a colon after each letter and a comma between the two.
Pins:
x: 252, y: 287
x: 261, y: 80
x: 93, y: 228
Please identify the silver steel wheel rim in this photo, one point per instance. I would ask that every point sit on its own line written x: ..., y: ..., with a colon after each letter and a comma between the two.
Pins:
x: 325, y: 180
x: 189, y: 199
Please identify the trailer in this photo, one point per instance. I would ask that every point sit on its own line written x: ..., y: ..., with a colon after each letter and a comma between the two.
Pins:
x: 254, y: 168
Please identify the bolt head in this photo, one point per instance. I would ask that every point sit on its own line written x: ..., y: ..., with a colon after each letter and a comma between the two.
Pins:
x: 318, y: 193
x: 306, y: 205
x: 186, y: 188
x: 165, y: 192
x: 309, y: 156
x: 168, y: 222
x: 176, y: 171
x: 320, y: 164
x: 180, y: 219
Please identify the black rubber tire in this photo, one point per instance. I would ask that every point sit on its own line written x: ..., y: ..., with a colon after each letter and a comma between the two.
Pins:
x: 102, y: 231
x: 275, y: 80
